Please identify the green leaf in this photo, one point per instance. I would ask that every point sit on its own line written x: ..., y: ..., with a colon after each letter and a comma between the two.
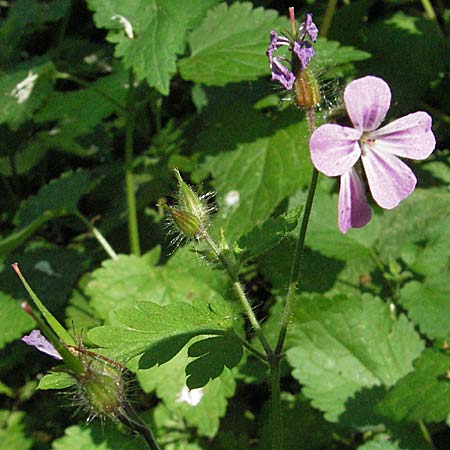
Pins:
x: 428, y: 305
x: 159, y: 32
x: 408, y: 85
x: 147, y: 324
x: 25, y: 17
x: 262, y: 238
x: 380, y: 443
x: 24, y: 91
x: 332, y: 53
x: 78, y: 112
x: 12, y: 431
x: 420, y: 219
x: 325, y: 237
x: 259, y: 174
x: 230, y: 45
x: 423, y: 394
x: 14, y: 322
x: 306, y: 428
x: 201, y: 408
x: 6, y: 390
x: 23, y: 158
x: 56, y: 380
x: 212, y: 356
x: 51, y: 271
x: 342, y: 345
x: 97, y: 436
x: 57, y: 198
x: 129, y: 279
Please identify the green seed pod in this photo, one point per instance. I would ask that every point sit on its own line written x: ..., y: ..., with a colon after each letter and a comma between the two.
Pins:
x: 306, y: 89
x: 101, y: 387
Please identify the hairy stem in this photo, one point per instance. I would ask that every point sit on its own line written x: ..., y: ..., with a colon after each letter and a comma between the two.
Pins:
x: 131, y: 419
x: 133, y: 232
x: 298, y: 253
x: 239, y: 291
x: 276, y: 423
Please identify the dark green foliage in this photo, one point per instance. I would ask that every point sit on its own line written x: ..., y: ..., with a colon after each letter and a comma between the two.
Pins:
x: 186, y: 84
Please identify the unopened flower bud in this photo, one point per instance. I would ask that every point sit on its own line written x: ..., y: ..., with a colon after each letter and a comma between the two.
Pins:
x: 306, y: 89
x: 189, y: 201
x: 188, y: 224
x: 190, y: 214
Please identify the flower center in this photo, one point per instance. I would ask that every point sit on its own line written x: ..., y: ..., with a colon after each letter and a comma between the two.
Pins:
x: 366, y: 143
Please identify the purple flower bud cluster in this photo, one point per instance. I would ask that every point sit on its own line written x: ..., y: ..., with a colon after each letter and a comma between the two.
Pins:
x: 283, y: 70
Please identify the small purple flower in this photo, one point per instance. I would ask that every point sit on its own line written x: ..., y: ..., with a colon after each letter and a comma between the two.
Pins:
x: 36, y: 339
x: 336, y: 149
x: 301, y: 51
x: 308, y: 28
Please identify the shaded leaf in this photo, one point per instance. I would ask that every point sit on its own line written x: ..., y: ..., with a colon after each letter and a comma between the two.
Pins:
x: 262, y: 238
x: 201, y: 408
x: 14, y: 322
x: 59, y: 197
x: 147, y: 324
x: 423, y: 394
x: 212, y: 356
x: 24, y: 91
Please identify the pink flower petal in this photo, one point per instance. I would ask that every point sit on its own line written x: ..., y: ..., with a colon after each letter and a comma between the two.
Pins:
x: 410, y: 136
x: 334, y: 149
x: 37, y: 340
x: 390, y: 180
x: 367, y: 101
x: 354, y: 211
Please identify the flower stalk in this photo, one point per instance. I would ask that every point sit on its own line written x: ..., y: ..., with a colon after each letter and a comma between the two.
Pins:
x: 133, y: 231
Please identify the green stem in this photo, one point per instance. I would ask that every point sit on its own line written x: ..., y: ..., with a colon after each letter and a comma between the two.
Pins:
x: 239, y: 291
x: 85, y: 84
x: 261, y: 356
x: 298, y: 252
x: 50, y: 326
x: 425, y: 432
x: 131, y: 419
x: 329, y: 13
x: 276, y: 422
x: 99, y: 236
x: 296, y: 264
x: 133, y: 232
x: 428, y: 7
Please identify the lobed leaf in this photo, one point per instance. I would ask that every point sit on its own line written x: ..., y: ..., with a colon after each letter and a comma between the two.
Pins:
x: 148, y: 324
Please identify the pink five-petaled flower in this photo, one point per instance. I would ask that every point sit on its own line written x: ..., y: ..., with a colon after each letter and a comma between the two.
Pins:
x: 336, y: 149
